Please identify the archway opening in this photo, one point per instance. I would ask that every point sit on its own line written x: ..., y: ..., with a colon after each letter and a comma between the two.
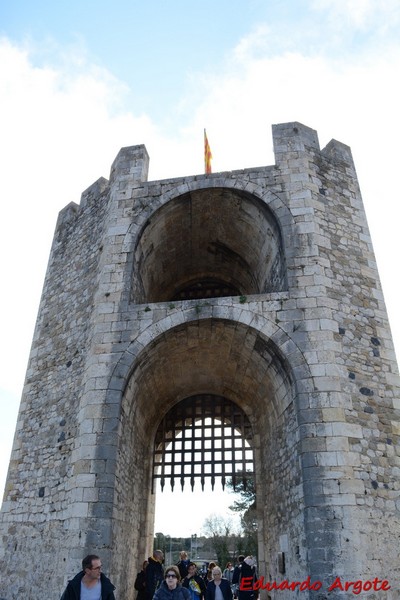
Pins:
x: 215, y: 357
x: 204, y: 441
x: 208, y: 243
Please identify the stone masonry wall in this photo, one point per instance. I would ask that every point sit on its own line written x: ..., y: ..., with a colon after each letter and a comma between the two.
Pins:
x: 367, y: 356
x: 38, y: 494
x: 311, y: 363
x: 354, y: 423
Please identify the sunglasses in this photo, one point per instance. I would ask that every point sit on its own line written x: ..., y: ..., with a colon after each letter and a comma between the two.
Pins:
x: 171, y: 575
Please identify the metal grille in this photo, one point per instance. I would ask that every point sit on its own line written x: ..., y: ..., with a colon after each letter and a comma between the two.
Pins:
x: 206, y: 288
x: 203, y: 437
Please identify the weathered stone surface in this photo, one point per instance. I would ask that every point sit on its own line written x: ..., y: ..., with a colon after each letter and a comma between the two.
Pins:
x: 259, y: 285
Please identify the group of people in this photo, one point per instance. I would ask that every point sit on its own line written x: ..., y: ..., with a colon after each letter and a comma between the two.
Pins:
x: 183, y: 582
x: 177, y: 582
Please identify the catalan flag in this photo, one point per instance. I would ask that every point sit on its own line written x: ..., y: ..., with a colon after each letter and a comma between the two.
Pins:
x: 207, y: 155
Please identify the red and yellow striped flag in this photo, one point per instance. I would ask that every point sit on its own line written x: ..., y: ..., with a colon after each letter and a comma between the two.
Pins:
x: 207, y: 155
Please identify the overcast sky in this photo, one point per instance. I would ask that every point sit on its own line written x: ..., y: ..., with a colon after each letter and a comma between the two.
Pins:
x: 80, y: 80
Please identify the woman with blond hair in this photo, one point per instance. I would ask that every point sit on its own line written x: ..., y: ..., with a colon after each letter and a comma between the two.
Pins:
x: 218, y: 588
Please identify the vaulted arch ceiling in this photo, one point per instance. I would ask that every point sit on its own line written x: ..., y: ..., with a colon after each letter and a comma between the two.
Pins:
x: 208, y: 243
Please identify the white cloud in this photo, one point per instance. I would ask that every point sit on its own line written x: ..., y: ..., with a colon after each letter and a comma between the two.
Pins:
x: 379, y: 15
x: 258, y: 41
x: 60, y: 132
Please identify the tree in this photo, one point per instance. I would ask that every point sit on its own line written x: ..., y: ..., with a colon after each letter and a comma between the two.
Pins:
x: 224, y: 539
x: 246, y: 507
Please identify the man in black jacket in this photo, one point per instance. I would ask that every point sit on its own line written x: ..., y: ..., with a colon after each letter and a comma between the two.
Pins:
x: 236, y: 576
x: 154, y: 573
x: 90, y: 582
x: 183, y: 564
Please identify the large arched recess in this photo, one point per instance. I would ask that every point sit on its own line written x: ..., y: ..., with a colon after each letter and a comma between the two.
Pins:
x: 208, y: 242
x: 207, y: 356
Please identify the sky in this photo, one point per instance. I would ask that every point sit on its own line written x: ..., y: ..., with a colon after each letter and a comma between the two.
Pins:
x: 80, y: 80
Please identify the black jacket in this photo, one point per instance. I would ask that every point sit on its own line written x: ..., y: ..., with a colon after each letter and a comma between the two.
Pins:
x: 248, y: 572
x: 73, y: 589
x: 164, y: 593
x: 225, y: 588
x: 236, y: 573
x: 154, y: 575
x: 140, y: 585
x: 183, y: 567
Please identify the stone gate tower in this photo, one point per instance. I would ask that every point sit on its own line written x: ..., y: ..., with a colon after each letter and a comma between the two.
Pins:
x: 258, y: 287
